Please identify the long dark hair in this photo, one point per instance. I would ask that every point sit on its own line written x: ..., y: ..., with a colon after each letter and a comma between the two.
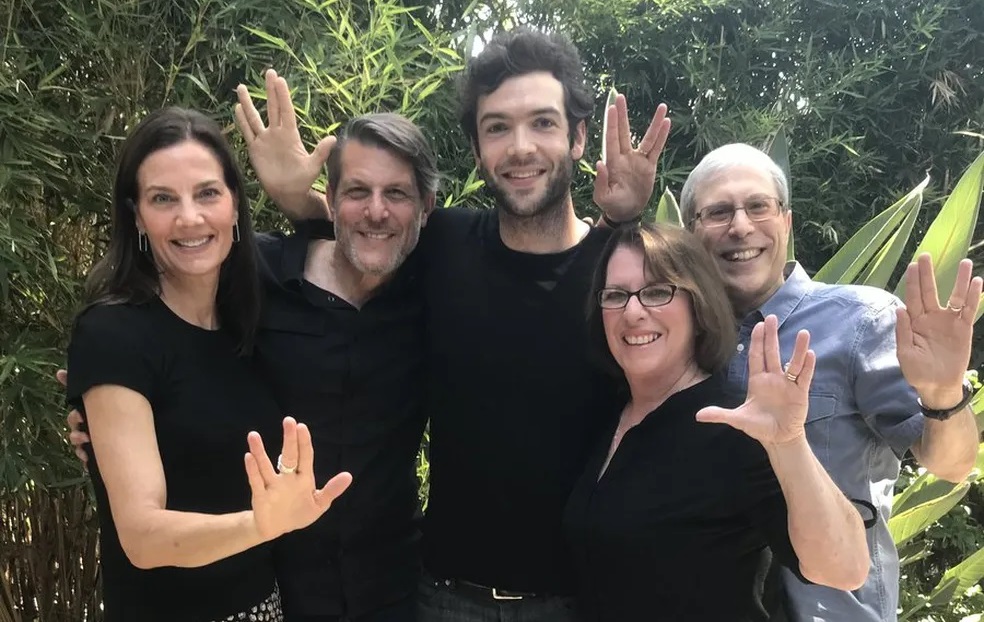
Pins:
x: 127, y: 275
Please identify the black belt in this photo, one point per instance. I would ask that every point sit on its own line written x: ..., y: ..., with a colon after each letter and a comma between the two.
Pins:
x: 483, y: 592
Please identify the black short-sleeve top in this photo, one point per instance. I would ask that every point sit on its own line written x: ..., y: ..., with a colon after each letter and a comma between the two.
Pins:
x: 679, y: 526
x: 205, y: 399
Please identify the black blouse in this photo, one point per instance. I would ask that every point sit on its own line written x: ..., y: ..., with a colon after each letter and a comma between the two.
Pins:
x: 679, y: 526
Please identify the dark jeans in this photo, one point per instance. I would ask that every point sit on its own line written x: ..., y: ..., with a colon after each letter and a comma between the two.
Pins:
x: 402, y: 611
x: 436, y: 602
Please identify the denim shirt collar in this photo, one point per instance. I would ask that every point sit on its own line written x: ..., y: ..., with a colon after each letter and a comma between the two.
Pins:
x: 796, y: 284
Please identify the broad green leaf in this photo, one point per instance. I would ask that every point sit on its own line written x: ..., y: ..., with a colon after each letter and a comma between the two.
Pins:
x: 778, y: 150
x: 913, y: 521
x: 612, y: 94
x: 964, y: 575
x: 864, y: 246
x: 924, y: 489
x: 668, y: 210
x: 948, y: 238
x: 879, y: 271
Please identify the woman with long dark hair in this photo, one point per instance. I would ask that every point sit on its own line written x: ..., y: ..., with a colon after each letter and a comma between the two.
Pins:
x: 160, y: 370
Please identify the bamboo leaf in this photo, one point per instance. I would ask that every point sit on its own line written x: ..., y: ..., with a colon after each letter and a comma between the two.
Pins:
x: 865, y: 245
x: 948, y: 238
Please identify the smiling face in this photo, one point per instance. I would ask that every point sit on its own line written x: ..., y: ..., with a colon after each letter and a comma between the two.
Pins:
x: 376, y: 208
x: 647, y: 341
x: 524, y: 151
x: 186, y: 210
x: 750, y: 255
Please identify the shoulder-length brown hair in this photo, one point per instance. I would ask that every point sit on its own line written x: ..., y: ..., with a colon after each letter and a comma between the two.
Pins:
x: 672, y: 255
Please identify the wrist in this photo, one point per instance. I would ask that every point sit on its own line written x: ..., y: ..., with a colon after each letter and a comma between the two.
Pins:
x: 942, y: 404
x: 941, y: 399
x: 795, y: 446
x: 614, y: 224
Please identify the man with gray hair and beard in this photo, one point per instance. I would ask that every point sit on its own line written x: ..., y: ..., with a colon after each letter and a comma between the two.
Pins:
x: 889, y: 377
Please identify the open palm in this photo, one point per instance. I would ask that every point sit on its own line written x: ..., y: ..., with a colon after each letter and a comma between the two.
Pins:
x: 625, y: 179
x: 283, y: 502
x: 777, y: 401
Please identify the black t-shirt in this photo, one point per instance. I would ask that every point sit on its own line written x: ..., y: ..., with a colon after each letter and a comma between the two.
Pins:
x: 678, y: 526
x: 205, y: 399
x: 354, y: 376
x: 513, y: 399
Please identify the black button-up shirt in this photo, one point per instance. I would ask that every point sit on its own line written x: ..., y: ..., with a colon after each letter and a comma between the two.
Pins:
x: 353, y: 376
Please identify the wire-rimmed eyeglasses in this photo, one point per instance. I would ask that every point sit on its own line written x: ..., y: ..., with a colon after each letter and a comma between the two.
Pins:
x: 757, y: 209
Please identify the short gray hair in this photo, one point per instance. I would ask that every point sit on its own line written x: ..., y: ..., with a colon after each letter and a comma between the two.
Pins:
x: 396, y: 134
x: 723, y: 158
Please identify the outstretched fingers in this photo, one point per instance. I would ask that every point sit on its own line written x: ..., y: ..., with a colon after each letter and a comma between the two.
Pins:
x: 259, y: 455
x: 326, y: 495
x: 289, y: 451
x: 655, y: 139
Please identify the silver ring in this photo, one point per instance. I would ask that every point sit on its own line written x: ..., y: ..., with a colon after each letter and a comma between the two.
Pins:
x: 282, y: 468
x: 956, y: 310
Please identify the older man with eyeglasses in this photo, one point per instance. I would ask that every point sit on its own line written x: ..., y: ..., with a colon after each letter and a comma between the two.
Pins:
x: 889, y: 377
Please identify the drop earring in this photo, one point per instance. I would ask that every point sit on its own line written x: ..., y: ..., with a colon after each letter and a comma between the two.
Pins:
x: 235, y: 232
x: 142, y: 243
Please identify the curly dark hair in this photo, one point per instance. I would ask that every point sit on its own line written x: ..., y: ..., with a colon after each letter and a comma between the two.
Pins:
x: 518, y: 52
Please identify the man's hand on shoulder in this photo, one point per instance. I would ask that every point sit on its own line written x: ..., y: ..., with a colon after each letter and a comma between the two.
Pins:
x: 76, y: 436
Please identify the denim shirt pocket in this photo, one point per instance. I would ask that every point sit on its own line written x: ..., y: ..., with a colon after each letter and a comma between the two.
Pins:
x: 823, y: 407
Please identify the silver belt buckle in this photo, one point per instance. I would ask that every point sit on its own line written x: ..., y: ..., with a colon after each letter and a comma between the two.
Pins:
x: 496, y: 595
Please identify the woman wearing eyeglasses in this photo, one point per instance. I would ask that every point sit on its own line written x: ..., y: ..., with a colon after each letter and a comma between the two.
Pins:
x: 676, y: 513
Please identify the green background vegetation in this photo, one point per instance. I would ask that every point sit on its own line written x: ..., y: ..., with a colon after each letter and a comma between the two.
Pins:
x: 867, y: 96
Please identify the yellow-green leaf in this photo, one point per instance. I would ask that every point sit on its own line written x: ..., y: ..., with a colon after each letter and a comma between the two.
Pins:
x: 948, y: 238
x: 914, y: 520
x: 668, y: 210
x: 865, y: 245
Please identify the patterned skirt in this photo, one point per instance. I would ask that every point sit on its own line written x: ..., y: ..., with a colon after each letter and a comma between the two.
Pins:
x: 267, y: 611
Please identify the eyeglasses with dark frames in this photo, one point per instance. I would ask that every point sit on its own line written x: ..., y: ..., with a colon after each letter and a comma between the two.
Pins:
x: 649, y: 296
x: 757, y: 209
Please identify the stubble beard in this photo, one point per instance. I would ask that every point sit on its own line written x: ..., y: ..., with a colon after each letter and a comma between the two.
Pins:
x: 548, y: 210
x: 344, y: 238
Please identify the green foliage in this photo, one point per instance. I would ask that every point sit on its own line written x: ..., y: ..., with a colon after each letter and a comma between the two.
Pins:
x: 871, y: 96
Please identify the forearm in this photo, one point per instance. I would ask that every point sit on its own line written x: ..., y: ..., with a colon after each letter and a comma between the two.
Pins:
x: 825, y: 529
x: 187, y: 539
x: 310, y: 206
x: 948, y: 449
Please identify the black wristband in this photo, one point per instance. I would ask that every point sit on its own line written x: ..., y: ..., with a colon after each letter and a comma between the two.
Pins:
x: 615, y: 225
x: 945, y: 413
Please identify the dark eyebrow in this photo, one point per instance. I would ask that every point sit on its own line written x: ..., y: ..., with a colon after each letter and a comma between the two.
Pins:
x: 198, y: 186
x: 500, y: 116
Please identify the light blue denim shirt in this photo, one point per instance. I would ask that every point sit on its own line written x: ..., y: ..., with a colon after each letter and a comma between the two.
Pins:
x: 863, y: 417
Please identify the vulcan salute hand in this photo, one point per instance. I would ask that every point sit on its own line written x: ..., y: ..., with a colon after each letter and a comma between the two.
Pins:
x: 933, y: 342
x: 774, y: 412
x: 283, y: 165
x: 625, y: 180
x: 287, y: 498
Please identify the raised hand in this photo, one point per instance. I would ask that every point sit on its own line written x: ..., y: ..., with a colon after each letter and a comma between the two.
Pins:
x: 289, y: 499
x: 283, y: 165
x: 775, y: 408
x: 933, y: 342
x: 625, y: 180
